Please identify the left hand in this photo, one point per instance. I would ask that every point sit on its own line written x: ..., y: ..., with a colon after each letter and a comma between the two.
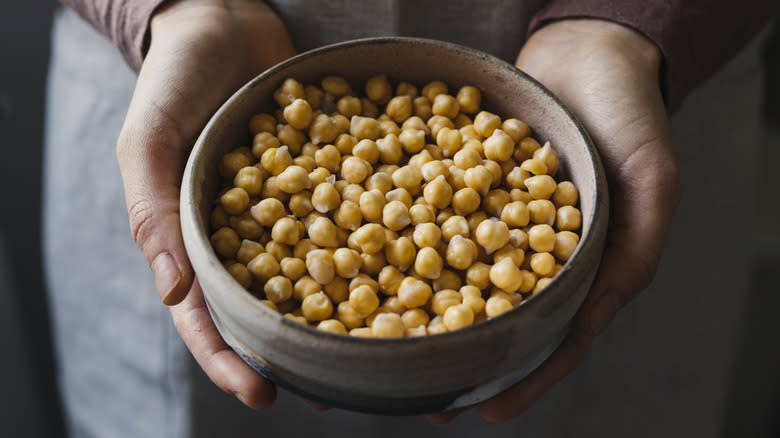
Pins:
x: 608, y: 76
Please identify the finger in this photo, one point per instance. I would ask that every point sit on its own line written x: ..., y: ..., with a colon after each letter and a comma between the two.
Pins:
x: 520, y: 397
x: 223, y: 366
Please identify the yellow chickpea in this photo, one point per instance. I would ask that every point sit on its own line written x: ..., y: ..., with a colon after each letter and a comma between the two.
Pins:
x: 366, y: 150
x: 364, y: 280
x: 337, y: 290
x: 534, y: 166
x: 344, y: 143
x: 412, y: 140
x: 517, y: 255
x: 443, y: 299
x: 364, y: 128
x: 472, y: 297
x: 414, y: 318
x: 313, y: 95
x: 288, y: 92
x: 565, y: 244
x: 378, y: 89
x: 317, y: 307
x: 350, y: 192
x: 516, y: 177
x: 525, y: 149
x: 219, y: 217
x: 387, y: 127
x: 494, y: 202
x: 248, y: 250
x: 239, y: 273
x: 465, y: 201
x: 520, y: 195
x: 373, y: 263
x: 319, y: 176
x: 306, y: 162
x: 485, y: 123
x: 348, y: 316
x: 427, y: 235
x: 291, y: 137
x: 390, y: 148
x: 323, y: 233
x: 325, y: 198
x: 428, y: 263
x: 453, y: 226
x: 292, y: 268
x: 568, y: 218
x: 328, y: 157
x: 541, y: 211
x: 414, y: 292
x: 408, y: 178
x: 517, y: 129
x: 565, y: 194
x: 540, y: 186
x: 355, y: 170
x: 234, y: 161
x: 262, y: 123
x: 506, y: 275
x: 286, y: 231
x: 349, y: 106
x: 458, y: 316
x: 332, y: 326
x: 320, y: 265
x: 421, y: 213
x: 478, y: 275
x: 271, y: 189
x: 542, y: 263
x: 278, y: 289
x: 495, y: 306
x: 362, y: 332
x: 438, y: 193
x: 436, y: 326
x: 278, y: 250
x: 433, y: 89
x: 433, y: 169
x: 467, y: 158
x: 478, y: 178
x: 298, y: 113
x: 422, y: 107
x: 395, y: 215
x: 249, y: 178
x: 263, y: 266
x: 323, y: 129
x: 388, y: 325
x: 515, y: 214
x: 469, y: 98
x: 492, y: 235
x: 371, y: 204
x: 550, y: 158
x: 293, y: 179
x: 445, y: 105
x: 235, y: 201
x: 379, y: 181
x: 437, y: 123
x: 399, y: 108
x: 461, y: 252
x: 389, y: 279
x: 304, y: 287
x: 363, y: 300
x: 336, y: 86
x: 370, y: 238
x: 246, y: 227
x: 498, y: 146
x: 348, y: 216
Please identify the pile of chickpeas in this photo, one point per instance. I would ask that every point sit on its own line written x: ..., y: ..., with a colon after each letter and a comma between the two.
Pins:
x: 404, y: 212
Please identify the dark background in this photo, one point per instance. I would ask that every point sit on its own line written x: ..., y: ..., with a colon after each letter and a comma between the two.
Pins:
x: 29, y: 405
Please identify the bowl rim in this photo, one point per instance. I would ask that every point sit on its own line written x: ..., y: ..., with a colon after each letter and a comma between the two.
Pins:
x: 200, y: 241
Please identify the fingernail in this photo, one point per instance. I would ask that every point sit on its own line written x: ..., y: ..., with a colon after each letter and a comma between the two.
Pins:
x: 240, y: 398
x: 166, y: 275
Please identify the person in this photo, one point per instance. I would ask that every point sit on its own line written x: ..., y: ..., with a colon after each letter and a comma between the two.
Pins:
x: 621, y: 67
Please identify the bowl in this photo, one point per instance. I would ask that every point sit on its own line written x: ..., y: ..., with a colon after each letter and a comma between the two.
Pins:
x: 398, y: 376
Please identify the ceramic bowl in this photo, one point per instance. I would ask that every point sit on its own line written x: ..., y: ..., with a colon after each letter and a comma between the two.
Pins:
x: 404, y: 375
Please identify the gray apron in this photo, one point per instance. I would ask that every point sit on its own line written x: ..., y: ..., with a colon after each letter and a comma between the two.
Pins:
x: 661, y: 369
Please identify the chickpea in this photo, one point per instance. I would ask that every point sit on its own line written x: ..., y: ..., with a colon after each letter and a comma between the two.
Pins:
x: 235, y: 201
x: 408, y: 178
x: 317, y: 307
x: 388, y: 325
x: 336, y: 86
x: 427, y: 235
x: 549, y: 157
x: 516, y: 178
x: 520, y: 195
x: 313, y: 95
x: 275, y: 160
x: 472, y: 297
x: 390, y: 148
x: 542, y: 263
x: 290, y: 137
x: 363, y: 300
x: 271, y: 189
x: 234, y: 161
x: 263, y: 266
x: 239, y: 273
x: 517, y: 255
x: 436, y: 326
x: 421, y: 213
x: 443, y: 299
x: 348, y: 216
x: 534, y: 166
x: 495, y: 306
x: 319, y: 176
x: 288, y: 92
x: 506, y: 275
x: 387, y: 127
x: 447, y: 280
x: 414, y: 292
x: 350, y: 192
x: 565, y: 194
x: 541, y: 211
x: 337, y: 290
x: 540, y: 186
x: 428, y: 263
x: 422, y: 107
x: 469, y: 99
x: 467, y: 158
x: 355, y: 170
x: 286, y: 231
x: 292, y: 268
x: 399, y: 108
x: 412, y: 140
x: 249, y: 178
x: 378, y: 89
x: 492, y: 235
x: 364, y: 280
x: 498, y: 146
x: 370, y: 238
x: 478, y: 178
x: 348, y: 316
x: 433, y: 169
x: 453, y: 226
x: 362, y: 332
x: 344, y: 143
x: 478, y: 275
x: 321, y: 266
x: 445, y: 105
x: 565, y: 244
x: 246, y: 227
x: 516, y: 129
x: 323, y: 129
x: 372, y: 204
x: 462, y: 120
x: 298, y: 113
x: 373, y: 263
x: 494, y: 202
x: 438, y: 193
x: 262, y: 123
x: 328, y: 157
x: 433, y: 89
x: 332, y: 326
x: 461, y: 252
x: 485, y: 123
x: 436, y: 123
x: 458, y: 316
x: 529, y: 281
x: 349, y: 106
x: 306, y: 162
x: 515, y: 214
x: 293, y: 179
x: 525, y: 149
x: 474, y: 219
x: 323, y: 233
x: 395, y: 215
x: 380, y: 181
x: 278, y: 250
x: 278, y: 289
x: 465, y: 201
x: 568, y: 218
x: 389, y: 280
x: 342, y: 123
x: 406, y: 89
x: 248, y: 250
x: 219, y: 218
x: 325, y: 198
x: 414, y: 318
x: 304, y: 287
x: 364, y: 128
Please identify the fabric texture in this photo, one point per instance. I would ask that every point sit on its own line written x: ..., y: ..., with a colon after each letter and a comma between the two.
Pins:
x: 124, y: 22
x: 696, y: 37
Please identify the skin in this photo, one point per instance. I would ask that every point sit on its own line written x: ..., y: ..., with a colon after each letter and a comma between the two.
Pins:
x: 201, y: 51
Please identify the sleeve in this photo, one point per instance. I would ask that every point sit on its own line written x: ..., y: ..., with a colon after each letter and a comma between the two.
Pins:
x: 124, y: 22
x: 696, y: 37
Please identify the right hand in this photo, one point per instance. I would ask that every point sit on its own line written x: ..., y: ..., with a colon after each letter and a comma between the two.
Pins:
x: 201, y: 51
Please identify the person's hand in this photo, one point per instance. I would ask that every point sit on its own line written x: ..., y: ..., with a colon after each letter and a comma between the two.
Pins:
x: 201, y: 51
x: 608, y: 76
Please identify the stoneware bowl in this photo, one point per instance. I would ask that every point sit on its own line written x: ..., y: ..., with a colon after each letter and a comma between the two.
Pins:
x: 404, y: 375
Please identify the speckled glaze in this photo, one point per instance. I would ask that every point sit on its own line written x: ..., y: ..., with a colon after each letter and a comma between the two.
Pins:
x: 408, y: 375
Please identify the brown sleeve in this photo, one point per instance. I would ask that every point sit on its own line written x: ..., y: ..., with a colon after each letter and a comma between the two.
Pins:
x: 696, y: 37
x: 125, y: 22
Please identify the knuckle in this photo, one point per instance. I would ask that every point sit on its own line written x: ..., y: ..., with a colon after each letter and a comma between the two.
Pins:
x: 140, y: 214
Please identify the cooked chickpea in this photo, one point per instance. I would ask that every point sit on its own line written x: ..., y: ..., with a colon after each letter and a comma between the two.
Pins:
x: 399, y: 108
x: 395, y: 215
x: 414, y: 318
x: 540, y: 186
x: 414, y: 292
x: 443, y: 299
x: 317, y: 307
x: 304, y: 287
x: 565, y: 244
x: 506, y: 275
x: 390, y: 148
x: 263, y: 266
x: 476, y: 218
x: 364, y: 128
x: 517, y: 129
x: 378, y: 89
x: 433, y: 89
x: 541, y: 211
x: 472, y: 297
x: 458, y: 316
x: 288, y: 92
x: 478, y: 275
x: 534, y: 166
x: 379, y: 181
x: 401, y: 253
x: 525, y: 149
x: 362, y: 332
x: 246, y: 226
x: 276, y: 160
x: 248, y: 250
x: 337, y: 290
x: 320, y: 265
x: 436, y: 326
x: 469, y: 99
x: 412, y: 140
x: 278, y: 250
x: 292, y: 268
x: 428, y: 263
x: 370, y: 238
x: 542, y: 263
x: 516, y: 177
x: 372, y: 204
x: 437, y: 123
x: 422, y: 107
x: 249, y: 178
x: 239, y: 273
x: 219, y: 217
x: 445, y: 105
x: 323, y: 129
x: 336, y: 86
x: 438, y: 193
x: 492, y: 235
x: 262, y: 123
x: 453, y: 226
x: 467, y: 158
x: 373, y: 263
x: 495, y: 306
x: 349, y: 106
x: 427, y: 235
x: 408, y: 178
x: 235, y: 201
x: 520, y: 195
x: 323, y: 233
x: 325, y: 198
x: 348, y: 316
x: 568, y: 218
x: 485, y: 123
x: 515, y: 214
x: 465, y: 201
x: 478, y: 178
x: 298, y: 113
x: 350, y: 192
x: 498, y: 146
x: 293, y: 179
x: 328, y: 157
x: 332, y: 326
x: 565, y: 194
x: 286, y: 231
x: 278, y: 289
x: 389, y: 279
x: 306, y: 162
x: 549, y: 157
x: 271, y: 189
x: 319, y: 176
x: 494, y: 202
x: 290, y: 137
x: 348, y: 216
x: 517, y: 255
x: 355, y: 170
x: 363, y: 300
x: 461, y: 252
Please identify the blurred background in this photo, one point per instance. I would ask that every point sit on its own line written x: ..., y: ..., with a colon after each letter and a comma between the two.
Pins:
x: 29, y: 404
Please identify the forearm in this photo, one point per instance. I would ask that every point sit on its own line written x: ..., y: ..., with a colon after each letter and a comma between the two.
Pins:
x: 696, y: 37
